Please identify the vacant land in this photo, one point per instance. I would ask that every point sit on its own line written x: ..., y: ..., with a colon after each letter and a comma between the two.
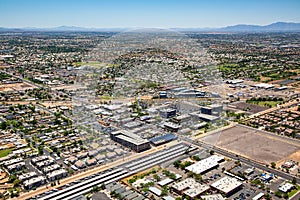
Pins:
x: 249, y: 108
x: 16, y: 87
x: 254, y: 144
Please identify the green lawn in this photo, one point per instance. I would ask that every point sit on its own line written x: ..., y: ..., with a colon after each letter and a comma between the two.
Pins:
x: 4, y: 152
x: 265, y: 103
x: 291, y: 193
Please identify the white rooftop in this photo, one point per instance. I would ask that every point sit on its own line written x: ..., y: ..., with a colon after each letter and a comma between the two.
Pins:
x: 205, y: 164
x: 226, y: 184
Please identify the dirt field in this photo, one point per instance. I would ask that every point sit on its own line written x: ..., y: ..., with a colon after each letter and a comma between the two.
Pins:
x: 15, y: 87
x: 254, y: 144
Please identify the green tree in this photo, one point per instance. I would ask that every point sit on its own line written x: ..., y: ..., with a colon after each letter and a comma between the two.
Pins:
x: 273, y: 165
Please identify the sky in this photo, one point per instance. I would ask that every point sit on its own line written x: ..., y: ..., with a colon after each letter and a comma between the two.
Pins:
x: 146, y: 13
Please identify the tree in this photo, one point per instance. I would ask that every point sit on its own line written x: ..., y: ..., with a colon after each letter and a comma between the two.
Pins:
x: 12, y: 178
x: 273, y: 165
x: 177, y: 164
x: 294, y: 181
x: 156, y: 177
x: 278, y: 194
x: 102, y: 186
x: 16, y: 183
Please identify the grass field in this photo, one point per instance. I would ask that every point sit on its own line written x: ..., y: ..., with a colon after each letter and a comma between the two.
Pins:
x: 265, y: 103
x: 4, y: 152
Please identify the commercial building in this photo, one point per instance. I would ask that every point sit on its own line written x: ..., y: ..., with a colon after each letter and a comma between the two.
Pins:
x: 287, y: 187
x: 167, y: 112
x: 206, y: 164
x: 163, y: 139
x: 196, y: 190
x: 227, y: 185
x: 212, y: 197
x: 190, y: 187
x: 155, y: 191
x: 205, y: 117
x: 164, y: 182
x: 179, y: 187
x: 172, y: 126
x: 130, y: 140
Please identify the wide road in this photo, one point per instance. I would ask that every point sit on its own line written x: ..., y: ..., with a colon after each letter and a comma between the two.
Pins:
x: 242, y: 159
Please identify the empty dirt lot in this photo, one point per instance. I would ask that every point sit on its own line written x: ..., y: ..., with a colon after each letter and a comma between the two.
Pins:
x: 254, y: 144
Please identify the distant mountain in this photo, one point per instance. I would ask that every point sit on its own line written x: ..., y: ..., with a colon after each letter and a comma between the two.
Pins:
x: 278, y: 26
x: 275, y: 27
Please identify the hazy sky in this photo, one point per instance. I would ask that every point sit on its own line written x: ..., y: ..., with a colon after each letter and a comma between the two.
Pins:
x: 146, y: 13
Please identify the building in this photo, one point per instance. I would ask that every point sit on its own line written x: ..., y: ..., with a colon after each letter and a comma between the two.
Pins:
x: 130, y: 140
x: 79, y: 164
x: 155, y: 191
x: 57, y: 174
x: 34, y: 182
x: 12, y: 161
x: 189, y: 187
x: 172, y: 126
x: 206, y: 110
x: 26, y: 176
x: 287, y: 187
x: 206, y: 117
x: 39, y: 159
x: 227, y: 185
x: 205, y: 165
x: 164, y: 182
x: 163, y: 94
x: 212, y: 197
x: 167, y: 113
x: 16, y: 166
x: 163, y: 139
x: 258, y: 196
x: 179, y: 187
x: 196, y: 190
x: 90, y: 162
x: 51, y: 168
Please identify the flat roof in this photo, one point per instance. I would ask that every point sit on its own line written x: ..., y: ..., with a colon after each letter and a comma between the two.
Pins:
x: 205, y: 164
x: 155, y: 191
x: 212, y: 197
x: 184, y: 184
x: 196, y: 190
x: 226, y: 184
x: 205, y: 116
x: 165, y: 182
x: 130, y: 137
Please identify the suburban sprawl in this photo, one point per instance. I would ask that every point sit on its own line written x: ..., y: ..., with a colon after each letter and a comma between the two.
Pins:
x: 164, y: 116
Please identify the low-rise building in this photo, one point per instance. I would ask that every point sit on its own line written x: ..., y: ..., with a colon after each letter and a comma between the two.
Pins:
x: 34, y: 182
x: 26, y: 176
x: 212, y: 197
x: 206, y: 164
x: 227, y: 185
x: 287, y: 187
x: 16, y: 166
x: 57, y: 174
x: 130, y: 140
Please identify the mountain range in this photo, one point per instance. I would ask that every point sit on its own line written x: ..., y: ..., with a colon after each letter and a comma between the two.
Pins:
x: 274, y: 27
